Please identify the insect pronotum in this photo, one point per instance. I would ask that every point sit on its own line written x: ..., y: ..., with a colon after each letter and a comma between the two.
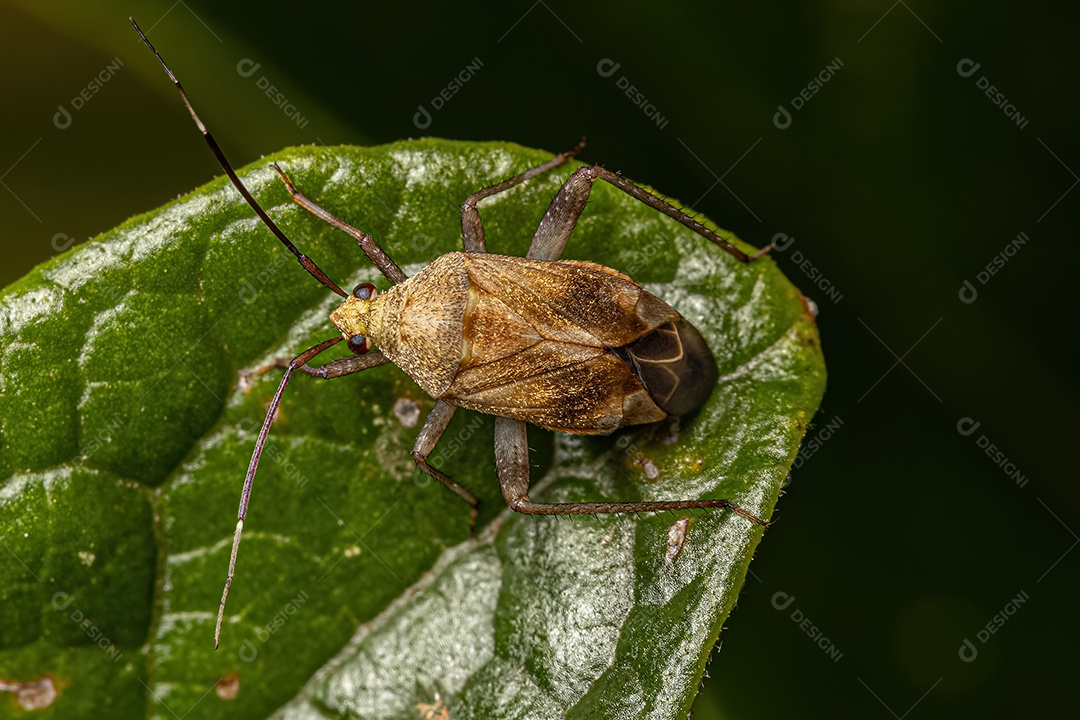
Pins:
x: 566, y: 345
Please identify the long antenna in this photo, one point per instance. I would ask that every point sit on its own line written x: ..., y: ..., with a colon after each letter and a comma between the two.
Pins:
x: 314, y: 270
x: 245, y: 496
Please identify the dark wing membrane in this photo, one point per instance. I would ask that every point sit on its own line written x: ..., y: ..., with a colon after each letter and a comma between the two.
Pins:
x: 674, y: 364
x: 558, y: 386
x: 574, y: 302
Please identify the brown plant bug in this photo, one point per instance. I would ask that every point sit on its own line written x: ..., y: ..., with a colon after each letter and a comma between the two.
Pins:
x: 565, y: 345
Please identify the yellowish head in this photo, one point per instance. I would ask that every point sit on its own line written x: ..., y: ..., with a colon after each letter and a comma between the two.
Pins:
x: 351, y: 317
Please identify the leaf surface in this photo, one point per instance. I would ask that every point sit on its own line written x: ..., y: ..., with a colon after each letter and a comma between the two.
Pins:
x: 124, y: 436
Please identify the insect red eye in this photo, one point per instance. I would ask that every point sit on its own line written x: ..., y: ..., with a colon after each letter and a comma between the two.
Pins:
x: 359, y: 344
x: 364, y: 291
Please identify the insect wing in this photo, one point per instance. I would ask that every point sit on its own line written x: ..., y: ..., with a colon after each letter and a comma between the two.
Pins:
x: 538, y: 337
x: 571, y: 301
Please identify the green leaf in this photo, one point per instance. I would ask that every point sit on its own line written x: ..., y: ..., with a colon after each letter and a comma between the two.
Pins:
x: 124, y: 438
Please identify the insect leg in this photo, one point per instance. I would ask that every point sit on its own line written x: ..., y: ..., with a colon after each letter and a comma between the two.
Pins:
x: 472, y: 229
x: 434, y: 426
x: 563, y: 213
x: 346, y: 365
x: 561, y: 216
x: 512, y: 465
x: 375, y: 254
x: 335, y: 368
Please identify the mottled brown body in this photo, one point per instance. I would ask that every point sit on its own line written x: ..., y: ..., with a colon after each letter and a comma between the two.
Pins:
x: 566, y: 345
x: 554, y: 343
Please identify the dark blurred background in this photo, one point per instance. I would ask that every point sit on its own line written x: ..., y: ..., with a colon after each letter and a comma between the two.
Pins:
x: 923, y: 563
